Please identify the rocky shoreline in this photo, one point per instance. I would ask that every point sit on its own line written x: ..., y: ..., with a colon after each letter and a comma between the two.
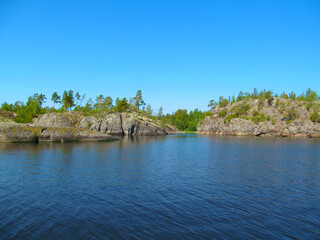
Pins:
x: 73, y: 126
x: 281, y: 118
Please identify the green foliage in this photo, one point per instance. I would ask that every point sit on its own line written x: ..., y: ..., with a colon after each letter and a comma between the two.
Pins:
x: 239, y: 111
x: 121, y: 105
x: 260, y: 104
x: 223, y: 113
x: 290, y: 115
x: 149, y: 110
x: 8, y: 107
x: 55, y: 99
x: 33, y: 107
x: 293, y: 96
x: 212, y: 104
x: 315, y: 116
x: 99, y: 100
x: 223, y: 102
x: 160, y: 112
x: 68, y: 100
x: 138, y: 101
x: 308, y: 106
x: 185, y: 121
x: 258, y: 117
x: 311, y: 95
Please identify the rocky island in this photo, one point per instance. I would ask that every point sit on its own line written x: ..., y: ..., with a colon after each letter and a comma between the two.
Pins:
x: 74, y: 126
x: 273, y: 116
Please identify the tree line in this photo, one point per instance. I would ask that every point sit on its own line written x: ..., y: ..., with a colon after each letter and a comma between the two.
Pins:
x: 182, y: 119
x: 308, y: 96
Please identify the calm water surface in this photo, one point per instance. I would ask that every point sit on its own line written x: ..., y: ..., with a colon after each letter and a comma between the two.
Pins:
x: 174, y: 187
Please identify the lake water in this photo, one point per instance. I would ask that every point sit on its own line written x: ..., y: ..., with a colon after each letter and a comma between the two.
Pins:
x: 174, y: 187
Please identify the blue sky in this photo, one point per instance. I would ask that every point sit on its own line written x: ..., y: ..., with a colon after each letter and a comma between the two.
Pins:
x: 180, y: 54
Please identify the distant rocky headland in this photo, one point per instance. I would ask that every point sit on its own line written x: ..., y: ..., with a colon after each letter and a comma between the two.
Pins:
x: 275, y: 116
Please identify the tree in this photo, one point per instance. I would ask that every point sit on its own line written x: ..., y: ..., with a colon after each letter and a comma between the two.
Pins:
x: 223, y: 102
x: 292, y: 95
x: 55, y: 98
x: 160, y: 112
x: 83, y: 97
x: 180, y: 119
x: 311, y: 95
x: 99, y: 101
x: 25, y: 113
x: 40, y: 98
x: 121, y: 105
x: 78, y: 97
x: 255, y: 93
x: 212, y: 104
x: 68, y: 100
x: 149, y: 110
x: 284, y: 95
x: 240, y: 96
x: 106, y: 104
x: 138, y: 101
x: 88, y: 107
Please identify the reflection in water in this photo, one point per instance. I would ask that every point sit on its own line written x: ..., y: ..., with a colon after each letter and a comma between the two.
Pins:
x: 178, y: 186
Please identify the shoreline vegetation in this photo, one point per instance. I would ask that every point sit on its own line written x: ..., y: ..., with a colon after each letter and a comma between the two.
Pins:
x: 261, y: 113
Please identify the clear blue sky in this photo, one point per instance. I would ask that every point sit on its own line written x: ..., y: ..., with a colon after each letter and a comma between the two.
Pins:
x: 180, y: 54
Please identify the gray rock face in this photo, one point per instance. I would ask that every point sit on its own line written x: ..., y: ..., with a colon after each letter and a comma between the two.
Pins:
x: 239, y: 126
x: 122, y: 124
x: 72, y: 135
x: 53, y: 120
x: 14, y: 132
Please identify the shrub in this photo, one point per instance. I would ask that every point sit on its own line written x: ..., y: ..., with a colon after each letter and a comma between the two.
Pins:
x: 308, y: 106
x: 223, y: 113
x: 240, y: 110
x: 315, y: 117
x: 258, y: 118
x: 260, y: 104
x: 290, y: 115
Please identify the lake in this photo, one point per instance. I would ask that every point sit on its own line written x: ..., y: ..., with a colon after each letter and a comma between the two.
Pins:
x: 174, y: 187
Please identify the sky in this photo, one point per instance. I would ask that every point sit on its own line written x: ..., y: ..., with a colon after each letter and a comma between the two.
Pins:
x: 180, y: 54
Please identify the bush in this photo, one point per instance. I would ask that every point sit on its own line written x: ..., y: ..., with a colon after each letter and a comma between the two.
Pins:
x: 290, y: 115
x: 315, y: 117
x: 260, y: 104
x: 308, y: 106
x: 240, y: 110
x: 223, y: 113
x: 258, y: 118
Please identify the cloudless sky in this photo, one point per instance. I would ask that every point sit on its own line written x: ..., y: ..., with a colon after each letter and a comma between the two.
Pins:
x: 180, y: 54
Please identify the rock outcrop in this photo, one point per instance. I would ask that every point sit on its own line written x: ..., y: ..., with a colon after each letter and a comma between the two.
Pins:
x: 15, y: 132
x: 74, y: 126
x: 281, y: 117
x: 58, y: 120
x: 126, y: 124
